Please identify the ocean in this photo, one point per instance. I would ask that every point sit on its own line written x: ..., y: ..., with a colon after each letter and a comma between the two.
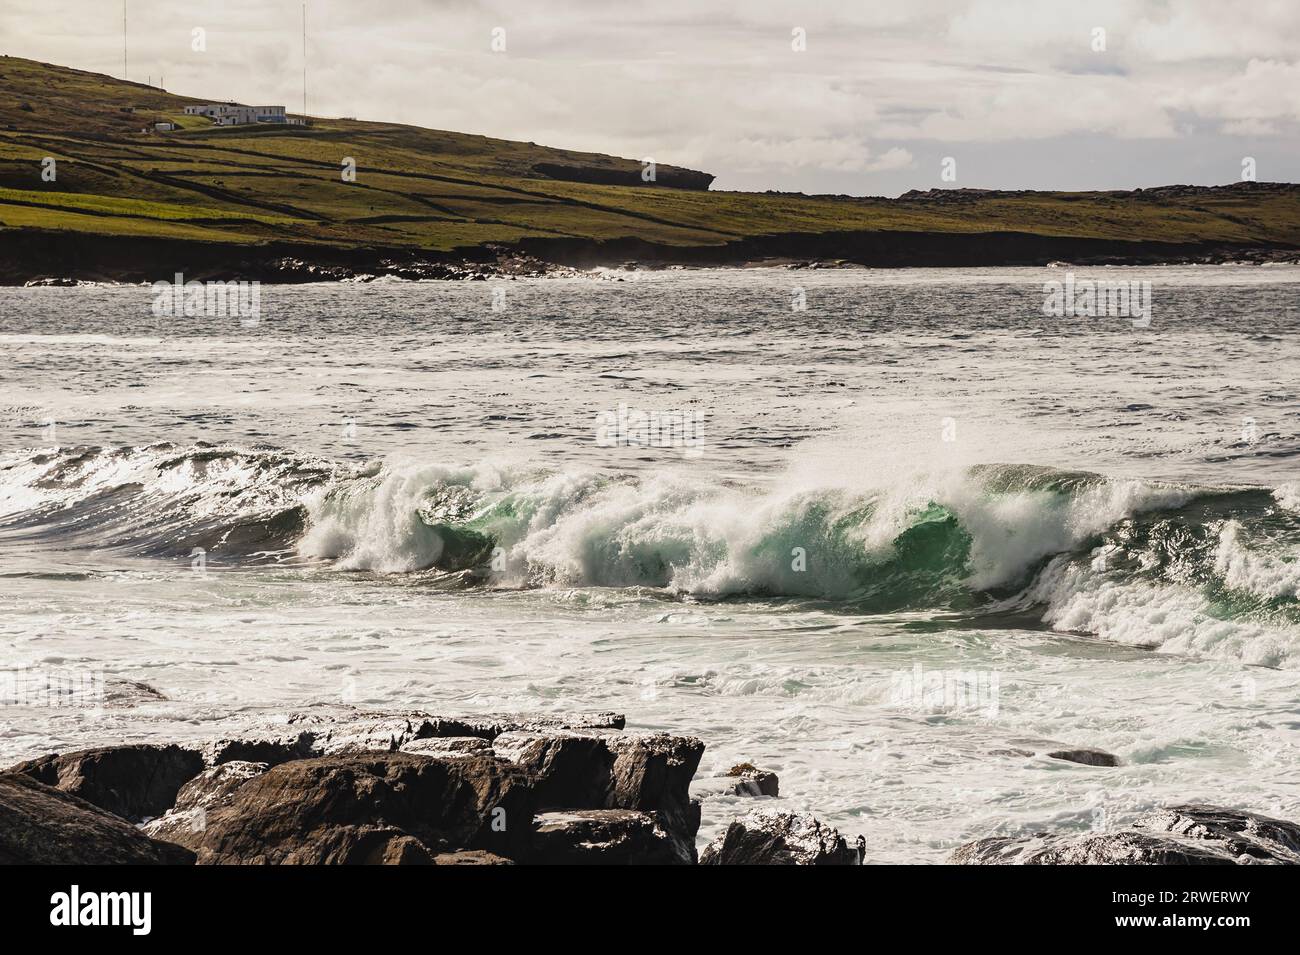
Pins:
x: 894, y: 535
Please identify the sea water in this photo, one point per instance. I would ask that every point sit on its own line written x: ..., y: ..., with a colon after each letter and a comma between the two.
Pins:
x: 894, y: 535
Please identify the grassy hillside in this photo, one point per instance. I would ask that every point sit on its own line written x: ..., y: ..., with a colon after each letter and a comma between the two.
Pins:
x: 428, y: 190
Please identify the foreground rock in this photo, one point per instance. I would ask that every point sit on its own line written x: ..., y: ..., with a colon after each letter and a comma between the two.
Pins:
x: 134, y: 782
x: 343, y: 786
x: 376, y: 808
x: 775, y: 837
x: 1178, y: 835
x: 41, y: 825
x: 648, y: 773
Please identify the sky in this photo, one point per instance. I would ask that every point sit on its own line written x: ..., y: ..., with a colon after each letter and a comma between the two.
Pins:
x: 861, y: 97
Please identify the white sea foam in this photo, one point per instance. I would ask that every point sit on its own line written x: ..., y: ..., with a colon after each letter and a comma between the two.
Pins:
x: 1169, y: 617
x: 1252, y: 571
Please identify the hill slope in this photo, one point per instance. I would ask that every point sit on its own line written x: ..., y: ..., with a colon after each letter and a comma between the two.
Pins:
x: 190, y: 197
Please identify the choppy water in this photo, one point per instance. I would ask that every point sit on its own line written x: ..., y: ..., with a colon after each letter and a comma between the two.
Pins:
x: 1087, y: 532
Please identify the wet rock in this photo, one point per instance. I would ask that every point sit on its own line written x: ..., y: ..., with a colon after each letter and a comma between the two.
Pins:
x: 775, y: 837
x: 1178, y: 835
x: 601, y: 837
x: 128, y: 693
x: 1088, y: 757
x: 741, y: 780
x: 41, y: 825
x: 211, y: 789
x: 1084, y: 755
x: 751, y: 781
x: 1244, y: 835
x: 1127, y: 847
x: 589, y: 770
x: 353, y: 808
x: 134, y: 782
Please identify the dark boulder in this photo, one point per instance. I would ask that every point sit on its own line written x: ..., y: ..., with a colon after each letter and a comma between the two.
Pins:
x: 41, y: 825
x: 134, y: 782
x: 601, y: 837
x: 352, y: 809
x: 751, y: 781
x: 649, y: 773
x: 1085, y: 756
x: 774, y: 837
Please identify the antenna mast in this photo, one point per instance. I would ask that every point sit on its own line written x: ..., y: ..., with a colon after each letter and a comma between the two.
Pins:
x: 123, y: 39
x: 304, y: 57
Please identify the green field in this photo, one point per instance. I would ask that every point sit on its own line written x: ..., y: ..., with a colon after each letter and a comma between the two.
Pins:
x: 420, y: 189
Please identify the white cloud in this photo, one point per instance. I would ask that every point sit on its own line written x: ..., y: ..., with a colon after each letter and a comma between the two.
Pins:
x: 717, y: 86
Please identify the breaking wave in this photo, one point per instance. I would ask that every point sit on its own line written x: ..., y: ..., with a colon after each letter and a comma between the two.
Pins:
x: 1165, y: 566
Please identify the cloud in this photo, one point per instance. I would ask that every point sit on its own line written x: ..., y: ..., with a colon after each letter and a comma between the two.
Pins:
x: 715, y: 84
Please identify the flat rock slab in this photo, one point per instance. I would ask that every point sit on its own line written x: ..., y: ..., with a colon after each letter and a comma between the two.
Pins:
x: 1086, y: 757
x: 308, y: 735
x: 776, y: 837
x: 1177, y: 835
x: 41, y: 825
x: 134, y: 782
x: 450, y: 747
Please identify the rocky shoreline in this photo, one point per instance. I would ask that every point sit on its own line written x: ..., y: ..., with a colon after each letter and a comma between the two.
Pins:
x: 417, y: 788
x: 34, y: 257
x: 412, y: 788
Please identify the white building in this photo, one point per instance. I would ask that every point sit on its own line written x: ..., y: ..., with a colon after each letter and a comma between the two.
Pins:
x: 233, y: 114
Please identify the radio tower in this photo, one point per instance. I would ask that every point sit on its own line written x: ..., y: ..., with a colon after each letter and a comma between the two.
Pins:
x: 123, y: 39
x: 304, y: 57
